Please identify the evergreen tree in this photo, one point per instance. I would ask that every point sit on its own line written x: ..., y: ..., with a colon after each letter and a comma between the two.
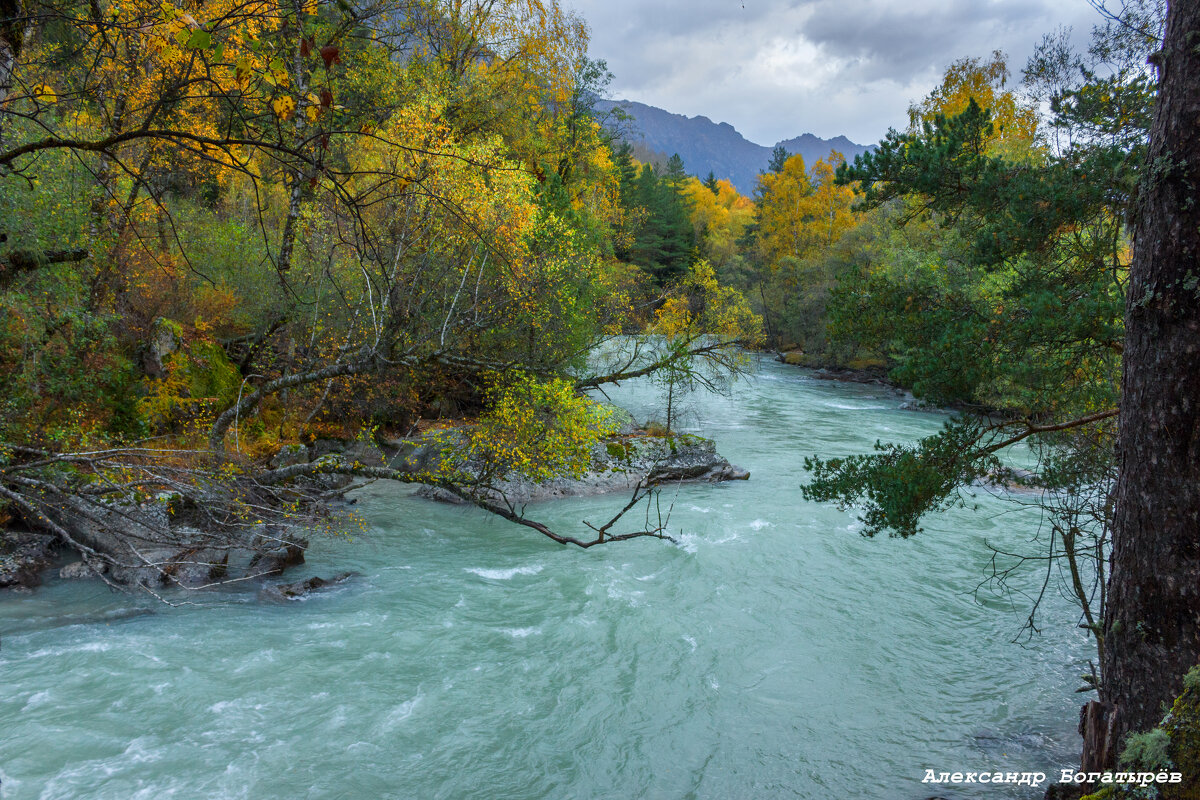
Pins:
x: 648, y: 249
x: 779, y: 157
x: 1152, y: 628
x: 675, y: 174
x: 664, y: 241
x: 627, y: 173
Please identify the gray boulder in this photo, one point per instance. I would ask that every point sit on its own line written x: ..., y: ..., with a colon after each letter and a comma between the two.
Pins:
x: 77, y: 570
x: 288, y: 551
x: 163, y: 340
x: 23, y: 557
x: 289, y: 455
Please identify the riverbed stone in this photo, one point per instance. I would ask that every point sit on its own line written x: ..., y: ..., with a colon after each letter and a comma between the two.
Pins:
x: 198, y: 568
x: 76, y: 570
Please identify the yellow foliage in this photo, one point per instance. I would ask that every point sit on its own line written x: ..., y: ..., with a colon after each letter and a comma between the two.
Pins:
x: 721, y: 218
x: 803, y: 211
x: 284, y: 106
x: 537, y: 430
x: 1015, y: 120
x: 43, y: 93
x: 701, y: 306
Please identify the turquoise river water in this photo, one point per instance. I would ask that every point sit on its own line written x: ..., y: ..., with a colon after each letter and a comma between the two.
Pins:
x: 773, y: 653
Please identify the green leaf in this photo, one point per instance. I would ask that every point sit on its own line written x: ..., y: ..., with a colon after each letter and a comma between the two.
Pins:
x: 199, y: 40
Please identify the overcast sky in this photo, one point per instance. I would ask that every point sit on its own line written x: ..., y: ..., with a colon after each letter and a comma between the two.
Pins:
x: 775, y: 69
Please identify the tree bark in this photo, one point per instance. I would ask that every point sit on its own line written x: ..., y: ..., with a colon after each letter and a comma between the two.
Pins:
x: 15, y: 262
x: 11, y: 39
x: 1152, y: 629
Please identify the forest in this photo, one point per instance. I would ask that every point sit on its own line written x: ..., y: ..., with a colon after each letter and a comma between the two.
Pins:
x: 230, y: 231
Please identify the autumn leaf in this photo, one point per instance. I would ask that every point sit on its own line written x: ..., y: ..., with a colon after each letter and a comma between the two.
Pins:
x: 243, y: 72
x: 44, y: 93
x: 277, y: 74
x: 331, y: 55
x: 284, y: 106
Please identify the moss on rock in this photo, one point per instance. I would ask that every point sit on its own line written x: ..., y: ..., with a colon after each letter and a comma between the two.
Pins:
x: 1182, y: 725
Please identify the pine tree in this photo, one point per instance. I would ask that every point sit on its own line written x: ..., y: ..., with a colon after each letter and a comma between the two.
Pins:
x: 1152, y: 629
x: 664, y: 242
x: 675, y: 174
x: 779, y: 157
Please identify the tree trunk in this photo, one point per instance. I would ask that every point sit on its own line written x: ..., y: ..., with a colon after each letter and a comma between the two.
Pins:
x: 1153, y: 623
x: 10, y: 48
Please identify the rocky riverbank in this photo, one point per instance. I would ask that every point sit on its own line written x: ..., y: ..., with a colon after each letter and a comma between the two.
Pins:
x: 863, y: 370
x: 162, y: 542
x: 868, y: 371
x: 148, y: 552
x: 24, y: 556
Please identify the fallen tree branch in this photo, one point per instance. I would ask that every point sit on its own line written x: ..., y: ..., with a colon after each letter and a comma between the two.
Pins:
x: 15, y: 262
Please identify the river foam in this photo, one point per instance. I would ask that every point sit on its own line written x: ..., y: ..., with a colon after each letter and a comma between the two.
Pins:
x: 504, y: 574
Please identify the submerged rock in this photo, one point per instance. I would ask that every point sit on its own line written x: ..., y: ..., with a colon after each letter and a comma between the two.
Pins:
x: 301, y: 589
x: 41, y: 623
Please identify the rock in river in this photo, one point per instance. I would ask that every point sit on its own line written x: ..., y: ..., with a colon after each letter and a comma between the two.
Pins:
x: 301, y: 589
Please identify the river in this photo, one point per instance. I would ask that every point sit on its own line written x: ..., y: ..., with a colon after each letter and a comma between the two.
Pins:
x: 772, y: 653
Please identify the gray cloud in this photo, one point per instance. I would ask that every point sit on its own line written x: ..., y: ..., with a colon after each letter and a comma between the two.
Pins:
x: 775, y: 69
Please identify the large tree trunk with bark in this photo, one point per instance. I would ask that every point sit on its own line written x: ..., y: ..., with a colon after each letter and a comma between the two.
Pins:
x: 1152, y: 630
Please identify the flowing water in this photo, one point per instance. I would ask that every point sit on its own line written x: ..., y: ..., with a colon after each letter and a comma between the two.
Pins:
x: 773, y: 653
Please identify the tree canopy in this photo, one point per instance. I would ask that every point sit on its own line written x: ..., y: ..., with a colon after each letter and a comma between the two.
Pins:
x: 230, y: 230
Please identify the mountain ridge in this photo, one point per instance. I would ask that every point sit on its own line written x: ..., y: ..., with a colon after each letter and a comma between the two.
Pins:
x: 706, y: 146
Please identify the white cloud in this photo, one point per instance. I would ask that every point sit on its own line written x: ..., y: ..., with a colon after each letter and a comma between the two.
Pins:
x: 777, y: 68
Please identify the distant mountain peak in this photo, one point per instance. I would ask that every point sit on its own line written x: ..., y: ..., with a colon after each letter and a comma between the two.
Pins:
x: 717, y: 147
